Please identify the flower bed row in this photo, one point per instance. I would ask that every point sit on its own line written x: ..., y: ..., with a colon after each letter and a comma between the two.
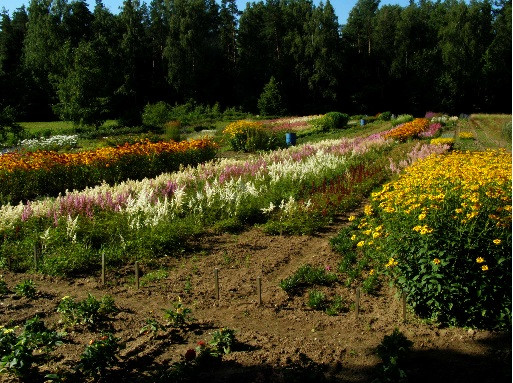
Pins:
x: 27, y: 175
x: 409, y: 129
x: 155, y: 217
x: 442, y: 232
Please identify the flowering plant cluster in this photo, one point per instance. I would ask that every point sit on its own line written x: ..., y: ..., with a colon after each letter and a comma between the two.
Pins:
x: 409, y: 129
x: 54, y: 143
x: 26, y: 175
x: 442, y: 232
x: 250, y: 136
x: 466, y: 135
x: 289, y: 124
x: 432, y: 131
x: 154, y: 217
x: 442, y: 141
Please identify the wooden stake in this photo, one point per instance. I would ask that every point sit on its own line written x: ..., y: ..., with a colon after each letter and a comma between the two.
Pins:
x: 403, y: 298
x: 259, y: 290
x: 357, y: 308
x: 137, y: 274
x: 103, y: 268
x: 216, y: 276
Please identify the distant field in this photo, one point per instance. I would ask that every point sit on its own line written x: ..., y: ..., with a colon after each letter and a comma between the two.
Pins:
x: 489, y: 130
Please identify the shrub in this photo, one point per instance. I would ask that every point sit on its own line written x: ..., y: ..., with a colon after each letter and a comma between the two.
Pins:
x: 90, y: 311
x: 250, y: 136
x: 27, y: 289
x: 385, y: 116
x: 401, y: 119
x: 317, y: 300
x: 156, y: 115
x: 333, y: 121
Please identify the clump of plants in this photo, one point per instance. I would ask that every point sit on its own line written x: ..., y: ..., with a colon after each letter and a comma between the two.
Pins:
x: 332, y: 121
x: 307, y: 276
x: 392, y: 351
x: 26, y: 288
x: 317, y: 300
x: 178, y: 315
x: 152, y: 326
x: 17, y: 352
x: 100, y: 355
x: 441, y: 233
x: 250, y: 136
x: 90, y: 312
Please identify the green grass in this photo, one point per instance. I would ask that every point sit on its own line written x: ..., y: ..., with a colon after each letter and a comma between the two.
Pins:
x: 491, y: 130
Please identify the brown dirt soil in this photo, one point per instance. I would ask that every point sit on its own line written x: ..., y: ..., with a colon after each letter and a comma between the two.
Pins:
x: 283, y: 340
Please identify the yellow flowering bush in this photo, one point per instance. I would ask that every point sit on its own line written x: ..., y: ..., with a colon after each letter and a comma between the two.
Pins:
x: 249, y: 136
x: 445, y: 237
x: 442, y: 141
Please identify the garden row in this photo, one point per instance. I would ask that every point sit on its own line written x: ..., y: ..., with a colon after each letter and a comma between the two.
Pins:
x: 295, y: 190
x: 28, y: 175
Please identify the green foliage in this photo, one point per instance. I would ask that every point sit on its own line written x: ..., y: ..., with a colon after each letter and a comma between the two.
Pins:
x: 178, y: 315
x: 3, y: 287
x: 336, y: 306
x: 26, y: 288
x: 156, y: 115
x: 100, y: 355
x: 332, y: 121
x: 392, y: 351
x: 307, y: 276
x: 385, y: 116
x: 270, y: 102
x: 222, y: 341
x: 316, y: 300
x: 401, y: 119
x: 153, y: 276
x: 90, y: 311
x: 17, y: 351
x: 10, y: 131
x: 152, y: 326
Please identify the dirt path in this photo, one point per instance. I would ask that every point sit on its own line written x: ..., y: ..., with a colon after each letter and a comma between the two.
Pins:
x: 280, y: 341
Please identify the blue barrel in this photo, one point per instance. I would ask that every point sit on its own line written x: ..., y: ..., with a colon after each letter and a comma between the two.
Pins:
x: 362, y: 122
x: 290, y: 139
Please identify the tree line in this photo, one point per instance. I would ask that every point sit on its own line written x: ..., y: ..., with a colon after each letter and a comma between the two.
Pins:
x: 59, y: 59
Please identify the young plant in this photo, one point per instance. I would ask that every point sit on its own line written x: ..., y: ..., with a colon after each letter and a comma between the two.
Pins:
x: 392, y: 351
x: 27, y: 289
x: 100, y: 355
x: 90, y: 312
x: 3, y: 287
x: 336, y: 306
x: 317, y: 300
x: 178, y: 315
x: 222, y: 341
x: 152, y: 326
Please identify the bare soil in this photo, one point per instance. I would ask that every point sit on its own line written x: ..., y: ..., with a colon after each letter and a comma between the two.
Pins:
x: 282, y: 340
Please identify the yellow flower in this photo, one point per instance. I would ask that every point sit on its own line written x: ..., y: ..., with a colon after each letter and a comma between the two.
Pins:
x: 353, y: 237
x: 367, y: 232
x: 360, y: 244
x: 371, y: 272
x: 422, y: 216
x: 484, y: 267
x: 391, y: 263
x: 367, y: 210
x: 436, y: 261
x: 376, y: 234
x: 352, y: 217
x: 480, y: 260
x: 497, y: 241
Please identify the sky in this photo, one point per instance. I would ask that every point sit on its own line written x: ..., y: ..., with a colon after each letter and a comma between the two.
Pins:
x: 342, y: 7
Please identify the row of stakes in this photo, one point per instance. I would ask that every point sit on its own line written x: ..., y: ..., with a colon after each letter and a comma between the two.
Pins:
x: 216, y: 286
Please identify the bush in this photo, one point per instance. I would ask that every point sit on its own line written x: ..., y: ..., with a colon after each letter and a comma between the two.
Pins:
x: 385, y: 116
x: 401, y: 119
x: 333, y: 121
x: 156, y: 115
x: 250, y: 136
x: 442, y: 233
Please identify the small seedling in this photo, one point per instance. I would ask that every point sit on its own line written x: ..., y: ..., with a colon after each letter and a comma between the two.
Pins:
x: 3, y: 287
x: 223, y: 340
x: 27, y: 289
x: 152, y: 326
x: 316, y: 300
x: 178, y: 315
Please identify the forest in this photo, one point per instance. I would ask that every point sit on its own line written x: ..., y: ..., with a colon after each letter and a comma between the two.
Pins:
x: 60, y: 60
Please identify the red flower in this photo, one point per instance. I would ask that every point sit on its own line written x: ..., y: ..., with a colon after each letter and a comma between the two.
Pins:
x: 202, y: 343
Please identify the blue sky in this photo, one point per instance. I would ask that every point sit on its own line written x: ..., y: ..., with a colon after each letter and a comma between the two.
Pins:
x: 342, y: 7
